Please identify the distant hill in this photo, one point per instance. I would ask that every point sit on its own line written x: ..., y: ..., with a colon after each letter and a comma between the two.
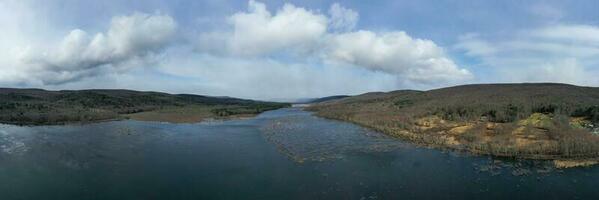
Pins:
x: 323, y: 99
x: 538, y: 120
x: 37, y: 106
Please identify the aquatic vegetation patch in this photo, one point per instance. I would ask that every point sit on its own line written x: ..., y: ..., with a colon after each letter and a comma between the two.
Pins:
x: 306, y: 138
x: 516, y: 167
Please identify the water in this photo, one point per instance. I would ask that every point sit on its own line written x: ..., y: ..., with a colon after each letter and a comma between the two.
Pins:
x: 282, y: 154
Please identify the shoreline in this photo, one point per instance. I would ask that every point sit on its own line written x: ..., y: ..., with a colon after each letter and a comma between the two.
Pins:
x: 559, y: 162
x: 67, y: 123
x: 180, y: 121
x: 63, y: 123
x: 186, y: 115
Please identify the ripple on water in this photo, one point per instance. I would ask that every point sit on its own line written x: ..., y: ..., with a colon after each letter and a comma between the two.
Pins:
x: 308, y: 138
x: 9, y: 144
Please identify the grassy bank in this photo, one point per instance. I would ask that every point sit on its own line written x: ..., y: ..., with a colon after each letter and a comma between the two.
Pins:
x: 42, y: 107
x: 541, y: 121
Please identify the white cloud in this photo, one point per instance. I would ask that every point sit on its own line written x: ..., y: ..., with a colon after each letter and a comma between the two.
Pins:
x: 129, y: 39
x: 257, y: 31
x: 342, y: 19
x: 566, y: 70
x: 15, y: 19
x: 474, y: 46
x: 581, y: 34
x: 330, y: 40
x: 396, y: 53
x: 557, y: 53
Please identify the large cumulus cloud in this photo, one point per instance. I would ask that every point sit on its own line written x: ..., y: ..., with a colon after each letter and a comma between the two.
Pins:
x: 259, y: 32
x: 295, y: 32
x: 129, y: 39
x: 396, y: 53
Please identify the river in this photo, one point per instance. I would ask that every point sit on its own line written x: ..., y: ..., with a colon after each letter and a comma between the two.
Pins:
x: 282, y: 154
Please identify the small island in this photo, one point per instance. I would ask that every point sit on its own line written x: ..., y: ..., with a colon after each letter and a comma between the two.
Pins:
x: 533, y: 121
x: 43, y: 107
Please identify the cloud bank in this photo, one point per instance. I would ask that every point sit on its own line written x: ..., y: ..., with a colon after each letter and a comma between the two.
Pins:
x: 131, y: 38
x: 288, y: 52
x: 36, y: 53
x: 553, y: 53
x: 300, y: 34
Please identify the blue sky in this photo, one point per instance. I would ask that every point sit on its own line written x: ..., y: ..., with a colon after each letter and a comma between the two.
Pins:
x: 295, y: 49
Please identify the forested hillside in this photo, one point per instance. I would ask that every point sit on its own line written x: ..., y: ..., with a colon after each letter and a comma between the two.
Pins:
x: 36, y: 106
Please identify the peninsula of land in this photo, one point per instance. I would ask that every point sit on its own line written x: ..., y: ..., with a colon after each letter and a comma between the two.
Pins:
x: 539, y: 121
x: 43, y: 107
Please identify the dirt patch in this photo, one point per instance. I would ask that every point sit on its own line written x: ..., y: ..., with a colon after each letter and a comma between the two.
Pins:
x: 460, y: 129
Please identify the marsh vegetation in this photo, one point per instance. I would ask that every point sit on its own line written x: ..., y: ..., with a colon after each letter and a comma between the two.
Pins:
x: 544, y: 121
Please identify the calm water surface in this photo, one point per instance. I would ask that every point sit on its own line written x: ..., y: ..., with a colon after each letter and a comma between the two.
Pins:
x: 282, y: 154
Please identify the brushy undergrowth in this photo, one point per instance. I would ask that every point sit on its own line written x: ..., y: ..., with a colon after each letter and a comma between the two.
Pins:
x: 516, y: 120
x: 35, y: 107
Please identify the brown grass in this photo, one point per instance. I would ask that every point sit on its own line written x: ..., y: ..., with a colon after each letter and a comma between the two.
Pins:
x: 539, y: 121
x: 186, y: 114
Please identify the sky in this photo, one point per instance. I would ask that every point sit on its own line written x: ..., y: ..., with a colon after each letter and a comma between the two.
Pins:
x: 272, y: 50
